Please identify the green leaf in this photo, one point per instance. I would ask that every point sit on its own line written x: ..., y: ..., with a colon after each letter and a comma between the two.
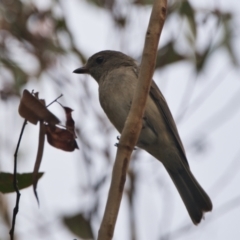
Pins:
x: 20, y: 77
x: 79, y: 225
x: 103, y: 3
x: 187, y: 11
x: 201, y: 58
x: 143, y: 2
x: 24, y: 180
x: 228, y: 37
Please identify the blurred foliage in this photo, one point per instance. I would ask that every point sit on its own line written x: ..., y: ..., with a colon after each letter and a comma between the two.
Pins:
x: 79, y: 225
x: 24, y: 180
x: 34, y: 34
x: 186, y: 10
x: 167, y: 55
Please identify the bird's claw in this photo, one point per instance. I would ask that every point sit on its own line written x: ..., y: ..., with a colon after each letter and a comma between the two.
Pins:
x: 117, y: 144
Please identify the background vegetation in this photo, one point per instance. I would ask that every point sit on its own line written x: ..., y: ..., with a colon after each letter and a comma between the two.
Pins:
x: 42, y: 42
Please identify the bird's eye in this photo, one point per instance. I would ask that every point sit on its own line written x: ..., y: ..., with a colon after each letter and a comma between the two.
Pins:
x: 99, y: 60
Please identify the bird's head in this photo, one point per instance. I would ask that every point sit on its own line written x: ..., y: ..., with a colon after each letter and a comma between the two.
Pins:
x: 102, y: 62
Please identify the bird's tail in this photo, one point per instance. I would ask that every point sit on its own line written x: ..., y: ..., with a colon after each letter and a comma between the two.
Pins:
x: 194, y: 197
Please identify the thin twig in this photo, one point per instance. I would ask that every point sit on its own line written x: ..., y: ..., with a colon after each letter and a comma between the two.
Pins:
x: 54, y: 101
x: 15, y: 183
x: 203, y: 96
x: 186, y: 98
x: 227, y: 176
x: 223, y: 115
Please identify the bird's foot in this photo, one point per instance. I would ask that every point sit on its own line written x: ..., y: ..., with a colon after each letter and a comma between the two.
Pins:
x: 117, y: 144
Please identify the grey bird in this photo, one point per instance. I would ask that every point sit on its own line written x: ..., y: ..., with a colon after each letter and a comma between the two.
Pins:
x: 117, y: 76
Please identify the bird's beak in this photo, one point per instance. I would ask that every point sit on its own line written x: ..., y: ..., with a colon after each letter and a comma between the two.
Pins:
x: 81, y: 70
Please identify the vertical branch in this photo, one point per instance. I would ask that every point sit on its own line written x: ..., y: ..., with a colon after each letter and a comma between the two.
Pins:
x: 15, y: 183
x: 133, y: 123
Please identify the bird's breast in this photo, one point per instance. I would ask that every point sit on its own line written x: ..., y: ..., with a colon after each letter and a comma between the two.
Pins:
x: 115, y: 94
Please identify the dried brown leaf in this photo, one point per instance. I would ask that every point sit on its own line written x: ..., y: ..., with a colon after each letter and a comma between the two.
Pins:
x: 61, y: 138
x: 34, y: 110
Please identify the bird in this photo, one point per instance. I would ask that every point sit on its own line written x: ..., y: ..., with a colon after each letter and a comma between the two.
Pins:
x: 117, y: 76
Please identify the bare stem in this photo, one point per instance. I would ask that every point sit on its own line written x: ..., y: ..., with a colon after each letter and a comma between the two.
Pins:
x: 54, y: 100
x: 15, y: 183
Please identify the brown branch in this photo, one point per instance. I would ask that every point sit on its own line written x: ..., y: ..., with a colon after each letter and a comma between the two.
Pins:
x: 133, y: 123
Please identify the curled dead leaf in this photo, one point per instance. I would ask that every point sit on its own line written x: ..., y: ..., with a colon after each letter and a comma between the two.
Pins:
x: 61, y: 138
x: 34, y: 110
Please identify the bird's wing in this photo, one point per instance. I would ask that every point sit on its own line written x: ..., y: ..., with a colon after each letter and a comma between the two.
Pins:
x: 162, y: 106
